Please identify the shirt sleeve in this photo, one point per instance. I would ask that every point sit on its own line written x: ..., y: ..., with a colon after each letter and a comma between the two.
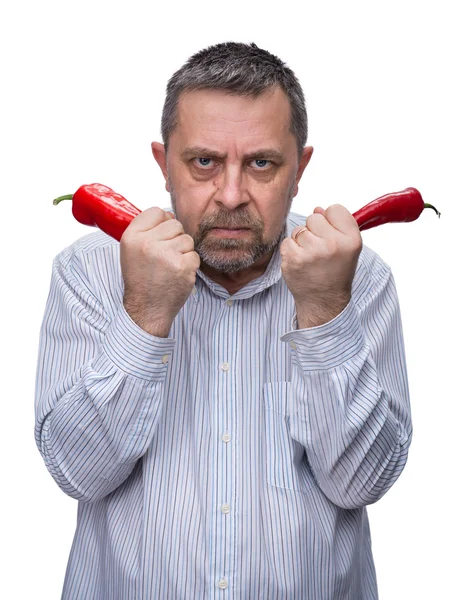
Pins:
x: 351, y: 407
x: 99, y: 387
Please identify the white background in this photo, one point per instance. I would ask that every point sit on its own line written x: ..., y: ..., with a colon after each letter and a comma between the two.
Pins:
x: 83, y: 85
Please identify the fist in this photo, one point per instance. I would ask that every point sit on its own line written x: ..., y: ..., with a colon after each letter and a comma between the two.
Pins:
x: 320, y: 265
x: 159, y: 266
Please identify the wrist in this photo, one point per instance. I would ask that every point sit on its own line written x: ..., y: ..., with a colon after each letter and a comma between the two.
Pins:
x: 154, y: 323
x: 313, y: 314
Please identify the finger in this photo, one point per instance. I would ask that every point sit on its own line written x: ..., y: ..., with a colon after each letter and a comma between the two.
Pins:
x: 319, y: 226
x: 168, y: 230
x: 148, y: 219
x: 193, y: 259
x: 304, y: 238
x: 291, y: 244
x: 182, y: 243
x: 319, y: 210
x: 341, y: 219
x: 295, y: 231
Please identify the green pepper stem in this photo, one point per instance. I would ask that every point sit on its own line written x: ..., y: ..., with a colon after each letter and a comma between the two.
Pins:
x: 433, y: 208
x: 58, y: 200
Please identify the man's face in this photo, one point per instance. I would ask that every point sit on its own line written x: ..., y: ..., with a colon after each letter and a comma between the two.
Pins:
x: 232, y: 171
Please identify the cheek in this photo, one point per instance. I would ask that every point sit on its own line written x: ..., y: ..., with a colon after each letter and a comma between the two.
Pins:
x: 191, y: 205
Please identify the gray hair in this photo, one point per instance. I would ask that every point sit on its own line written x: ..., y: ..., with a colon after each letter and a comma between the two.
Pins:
x: 241, y: 69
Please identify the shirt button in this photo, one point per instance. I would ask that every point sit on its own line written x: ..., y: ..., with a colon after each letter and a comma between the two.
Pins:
x: 225, y: 509
x: 226, y: 437
x: 165, y: 358
x: 293, y: 345
x: 225, y: 366
x: 229, y: 302
x: 222, y: 584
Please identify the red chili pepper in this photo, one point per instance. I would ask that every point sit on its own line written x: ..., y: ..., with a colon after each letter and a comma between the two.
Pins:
x: 400, y: 207
x: 99, y: 206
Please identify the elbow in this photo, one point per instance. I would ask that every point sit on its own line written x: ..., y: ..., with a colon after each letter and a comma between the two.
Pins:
x: 82, y: 488
x: 87, y: 493
x: 365, y: 486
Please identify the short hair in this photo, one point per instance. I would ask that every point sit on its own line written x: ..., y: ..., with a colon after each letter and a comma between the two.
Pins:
x: 243, y: 70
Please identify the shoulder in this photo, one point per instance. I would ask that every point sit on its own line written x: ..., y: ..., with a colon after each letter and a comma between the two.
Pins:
x: 92, y: 246
x: 372, y: 275
x: 91, y: 268
x: 88, y: 246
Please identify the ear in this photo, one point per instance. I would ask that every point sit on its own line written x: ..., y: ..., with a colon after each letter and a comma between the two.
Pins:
x: 304, y: 160
x: 158, y: 151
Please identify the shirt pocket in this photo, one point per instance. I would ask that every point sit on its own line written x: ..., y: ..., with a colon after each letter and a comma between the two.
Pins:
x: 286, y: 461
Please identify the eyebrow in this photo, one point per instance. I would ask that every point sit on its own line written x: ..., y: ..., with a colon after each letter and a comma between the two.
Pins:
x: 208, y: 153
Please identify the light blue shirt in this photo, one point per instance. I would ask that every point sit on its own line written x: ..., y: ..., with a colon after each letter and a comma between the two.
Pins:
x: 232, y: 460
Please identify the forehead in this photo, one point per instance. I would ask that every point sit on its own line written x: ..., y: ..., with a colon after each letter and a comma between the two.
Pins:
x: 215, y: 116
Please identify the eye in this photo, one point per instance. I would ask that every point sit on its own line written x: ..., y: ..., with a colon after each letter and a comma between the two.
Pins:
x: 261, y: 163
x: 203, y: 162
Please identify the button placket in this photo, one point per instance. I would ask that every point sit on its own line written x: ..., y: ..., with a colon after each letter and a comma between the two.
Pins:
x: 226, y: 352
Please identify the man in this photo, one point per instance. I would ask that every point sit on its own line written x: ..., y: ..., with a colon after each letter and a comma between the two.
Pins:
x: 225, y: 390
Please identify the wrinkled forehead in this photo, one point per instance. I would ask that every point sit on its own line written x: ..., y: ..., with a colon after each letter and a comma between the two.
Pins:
x: 213, y: 115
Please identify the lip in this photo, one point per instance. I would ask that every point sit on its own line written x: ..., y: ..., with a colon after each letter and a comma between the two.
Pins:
x: 230, y: 232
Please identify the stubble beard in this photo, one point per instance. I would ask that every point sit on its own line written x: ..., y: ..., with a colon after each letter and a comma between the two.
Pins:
x: 230, y: 255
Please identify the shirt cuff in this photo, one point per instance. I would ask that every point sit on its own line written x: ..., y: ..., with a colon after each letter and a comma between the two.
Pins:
x: 327, y: 346
x: 135, y: 351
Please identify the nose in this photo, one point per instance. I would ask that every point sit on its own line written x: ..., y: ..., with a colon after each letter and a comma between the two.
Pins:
x: 231, y: 188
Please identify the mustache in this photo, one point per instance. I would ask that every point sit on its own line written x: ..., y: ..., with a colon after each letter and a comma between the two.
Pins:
x: 231, y: 221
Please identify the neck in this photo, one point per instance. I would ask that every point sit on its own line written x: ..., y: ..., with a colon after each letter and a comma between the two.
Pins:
x: 233, y: 282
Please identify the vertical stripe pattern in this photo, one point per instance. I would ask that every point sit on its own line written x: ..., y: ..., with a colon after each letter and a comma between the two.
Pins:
x: 233, y: 460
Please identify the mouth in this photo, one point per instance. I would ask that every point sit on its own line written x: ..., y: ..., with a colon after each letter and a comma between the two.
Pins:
x: 228, y: 232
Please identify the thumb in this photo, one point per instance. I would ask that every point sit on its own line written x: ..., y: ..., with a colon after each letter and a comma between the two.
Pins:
x: 318, y: 210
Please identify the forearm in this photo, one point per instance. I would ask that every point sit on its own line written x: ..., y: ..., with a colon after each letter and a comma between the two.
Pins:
x: 351, y: 404
x: 99, y: 391
x: 356, y: 443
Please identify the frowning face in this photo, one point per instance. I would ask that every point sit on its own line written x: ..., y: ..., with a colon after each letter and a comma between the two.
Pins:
x: 232, y: 170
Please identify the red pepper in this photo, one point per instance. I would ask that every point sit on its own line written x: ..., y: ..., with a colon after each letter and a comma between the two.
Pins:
x: 400, y: 207
x: 99, y: 206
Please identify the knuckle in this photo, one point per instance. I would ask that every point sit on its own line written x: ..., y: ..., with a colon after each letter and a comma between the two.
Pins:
x: 313, y: 219
x: 126, y: 239
x: 144, y: 245
x: 299, y: 259
x: 355, y: 243
x: 175, y: 226
x: 156, y: 214
x: 156, y: 211
x: 189, y: 239
x: 175, y: 267
x: 329, y: 248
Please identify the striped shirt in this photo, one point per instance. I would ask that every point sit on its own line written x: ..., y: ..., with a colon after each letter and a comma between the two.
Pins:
x: 232, y: 460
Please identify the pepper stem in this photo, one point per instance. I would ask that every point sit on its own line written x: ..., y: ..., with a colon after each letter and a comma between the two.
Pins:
x: 433, y: 208
x: 58, y: 200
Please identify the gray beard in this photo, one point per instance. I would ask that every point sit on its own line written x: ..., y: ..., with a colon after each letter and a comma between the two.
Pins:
x: 230, y: 255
